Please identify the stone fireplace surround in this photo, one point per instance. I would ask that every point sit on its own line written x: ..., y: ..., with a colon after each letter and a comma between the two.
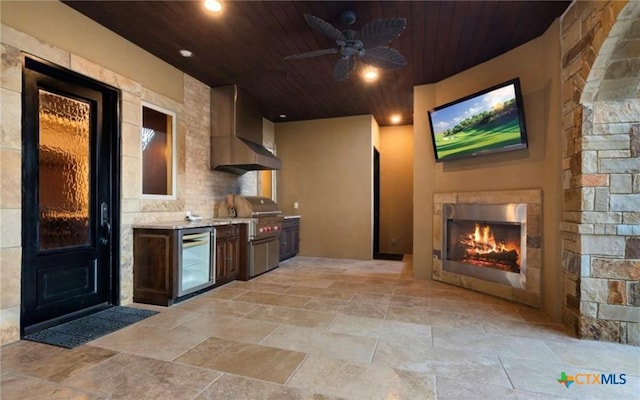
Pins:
x: 530, y: 295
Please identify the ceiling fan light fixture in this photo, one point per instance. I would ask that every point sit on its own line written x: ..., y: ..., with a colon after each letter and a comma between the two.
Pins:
x: 369, y: 44
x: 213, y: 5
x: 370, y: 74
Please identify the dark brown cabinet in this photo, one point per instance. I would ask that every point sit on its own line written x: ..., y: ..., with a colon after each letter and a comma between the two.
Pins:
x: 227, y: 253
x: 289, y: 238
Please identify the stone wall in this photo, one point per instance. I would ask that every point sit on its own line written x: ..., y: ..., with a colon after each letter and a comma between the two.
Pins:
x: 601, y: 170
x: 198, y: 188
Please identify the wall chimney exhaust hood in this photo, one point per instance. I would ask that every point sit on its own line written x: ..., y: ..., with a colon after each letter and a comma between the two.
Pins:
x: 236, y: 133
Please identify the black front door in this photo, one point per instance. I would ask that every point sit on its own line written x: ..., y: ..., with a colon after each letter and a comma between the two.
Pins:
x: 70, y: 196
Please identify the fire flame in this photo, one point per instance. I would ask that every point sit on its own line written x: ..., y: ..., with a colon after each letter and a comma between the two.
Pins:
x: 483, y: 241
x: 480, y: 247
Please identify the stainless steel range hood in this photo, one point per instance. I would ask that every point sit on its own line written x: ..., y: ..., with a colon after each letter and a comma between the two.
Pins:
x: 236, y: 133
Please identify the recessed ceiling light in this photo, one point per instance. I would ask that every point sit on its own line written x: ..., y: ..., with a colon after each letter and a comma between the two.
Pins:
x: 213, y: 5
x: 186, y: 53
x: 370, y: 74
x: 395, y: 118
x: 283, y: 115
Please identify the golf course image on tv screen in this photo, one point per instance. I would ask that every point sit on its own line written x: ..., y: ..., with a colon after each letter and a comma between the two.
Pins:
x: 485, y: 122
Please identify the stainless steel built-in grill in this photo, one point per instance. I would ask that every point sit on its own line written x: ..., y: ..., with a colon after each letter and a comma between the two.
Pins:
x: 265, y: 223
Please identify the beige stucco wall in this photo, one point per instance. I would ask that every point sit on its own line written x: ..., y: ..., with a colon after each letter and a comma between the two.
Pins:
x: 327, y: 169
x: 396, y: 189
x: 539, y: 167
x: 375, y: 133
x: 63, y: 27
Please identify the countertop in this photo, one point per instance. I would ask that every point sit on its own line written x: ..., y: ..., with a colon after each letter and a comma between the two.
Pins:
x: 192, y: 224
x: 199, y: 224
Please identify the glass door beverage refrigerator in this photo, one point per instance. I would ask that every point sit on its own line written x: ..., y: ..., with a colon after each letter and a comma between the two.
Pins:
x: 197, y: 269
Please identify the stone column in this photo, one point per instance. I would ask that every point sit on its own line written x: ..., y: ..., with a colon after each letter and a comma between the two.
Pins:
x: 601, y: 169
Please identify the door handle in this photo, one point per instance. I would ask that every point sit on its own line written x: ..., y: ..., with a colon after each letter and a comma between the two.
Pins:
x: 104, y: 223
x: 106, y: 233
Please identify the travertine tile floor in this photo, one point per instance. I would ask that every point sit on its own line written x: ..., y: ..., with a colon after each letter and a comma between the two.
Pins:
x: 327, y: 329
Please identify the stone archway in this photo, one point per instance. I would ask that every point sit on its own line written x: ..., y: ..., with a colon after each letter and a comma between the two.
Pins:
x: 601, y: 172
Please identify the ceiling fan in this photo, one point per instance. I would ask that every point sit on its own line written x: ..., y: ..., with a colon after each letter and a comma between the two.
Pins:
x: 369, y: 44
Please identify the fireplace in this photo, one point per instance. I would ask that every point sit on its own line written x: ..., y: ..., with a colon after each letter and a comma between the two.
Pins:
x: 503, y: 255
x: 486, y: 241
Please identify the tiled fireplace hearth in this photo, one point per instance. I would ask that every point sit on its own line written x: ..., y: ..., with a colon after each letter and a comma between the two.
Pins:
x: 489, y: 242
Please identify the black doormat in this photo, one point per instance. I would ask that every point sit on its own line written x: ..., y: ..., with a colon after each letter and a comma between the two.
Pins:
x: 85, y: 329
x: 388, y: 256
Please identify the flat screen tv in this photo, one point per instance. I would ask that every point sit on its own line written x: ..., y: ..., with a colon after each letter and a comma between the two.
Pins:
x: 486, y: 122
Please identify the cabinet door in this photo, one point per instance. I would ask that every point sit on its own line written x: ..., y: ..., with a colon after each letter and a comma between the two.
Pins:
x: 294, y: 240
x: 221, y: 259
x: 155, y: 257
x: 283, y: 244
x: 233, y: 257
x: 289, y: 239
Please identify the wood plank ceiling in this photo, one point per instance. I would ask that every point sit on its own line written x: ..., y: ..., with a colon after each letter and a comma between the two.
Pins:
x: 247, y: 45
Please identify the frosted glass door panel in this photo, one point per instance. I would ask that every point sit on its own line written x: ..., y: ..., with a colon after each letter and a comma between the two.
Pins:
x: 64, y: 180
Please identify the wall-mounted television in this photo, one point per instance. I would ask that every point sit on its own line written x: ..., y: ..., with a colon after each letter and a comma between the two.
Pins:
x: 486, y: 122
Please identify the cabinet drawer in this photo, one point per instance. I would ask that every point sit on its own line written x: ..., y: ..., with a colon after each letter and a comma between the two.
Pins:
x: 291, y: 222
x: 227, y: 230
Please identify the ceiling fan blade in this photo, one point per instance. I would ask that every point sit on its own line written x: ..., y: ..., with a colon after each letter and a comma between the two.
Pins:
x: 384, y: 57
x: 381, y: 31
x: 343, y: 68
x: 310, y: 54
x: 323, y: 27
